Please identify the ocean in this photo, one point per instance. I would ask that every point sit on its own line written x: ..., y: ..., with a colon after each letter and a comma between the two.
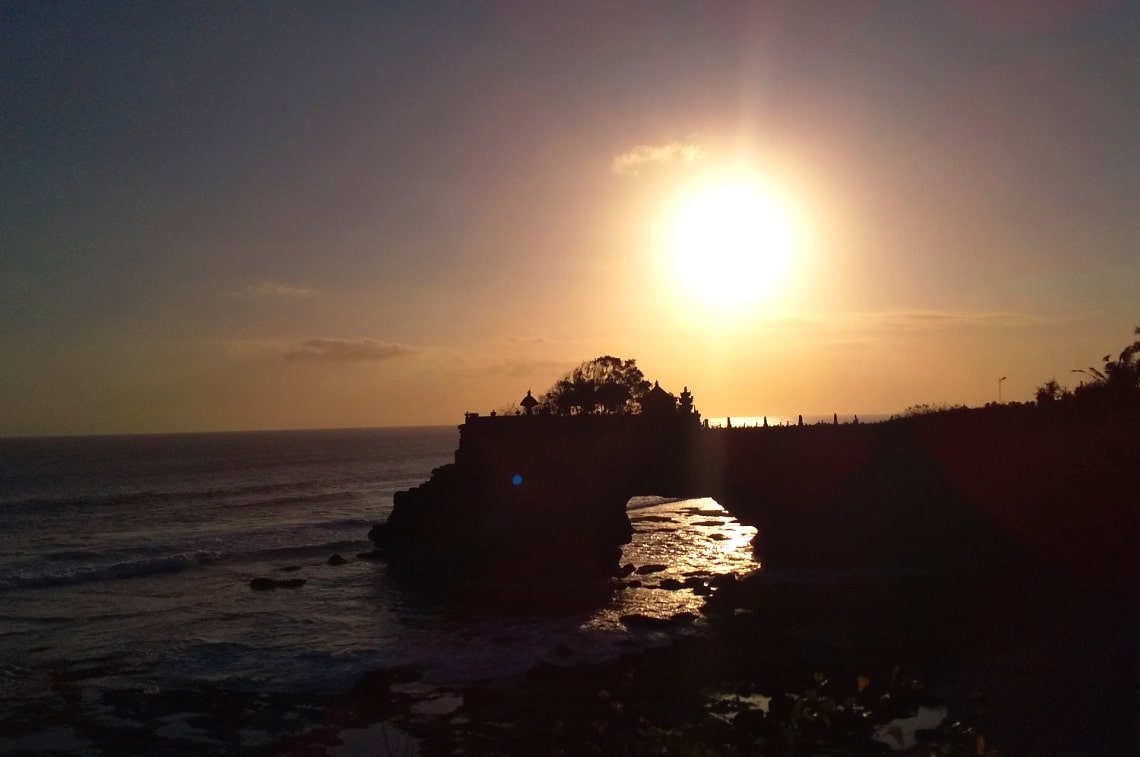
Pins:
x: 125, y: 565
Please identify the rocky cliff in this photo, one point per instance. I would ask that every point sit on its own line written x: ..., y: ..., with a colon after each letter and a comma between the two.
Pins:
x: 547, y: 495
x: 541, y: 494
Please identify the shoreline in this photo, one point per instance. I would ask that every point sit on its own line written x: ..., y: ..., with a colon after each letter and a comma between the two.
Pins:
x: 765, y: 655
x: 1029, y: 659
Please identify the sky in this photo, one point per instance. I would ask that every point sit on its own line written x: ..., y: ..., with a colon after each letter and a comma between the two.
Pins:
x: 261, y: 215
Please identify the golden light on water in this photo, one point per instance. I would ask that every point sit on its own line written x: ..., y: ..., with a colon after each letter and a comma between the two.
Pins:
x: 683, y: 545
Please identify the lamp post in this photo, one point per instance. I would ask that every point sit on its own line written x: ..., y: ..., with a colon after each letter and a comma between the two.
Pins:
x: 999, y: 388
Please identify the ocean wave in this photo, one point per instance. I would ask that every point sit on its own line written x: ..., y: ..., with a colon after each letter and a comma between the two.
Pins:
x: 306, y: 550
x: 72, y: 555
x: 161, y: 559
x: 259, y: 493
x: 115, y: 571
x: 315, y: 499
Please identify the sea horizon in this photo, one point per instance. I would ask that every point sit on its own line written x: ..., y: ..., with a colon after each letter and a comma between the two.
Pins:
x: 222, y: 432
x: 715, y: 421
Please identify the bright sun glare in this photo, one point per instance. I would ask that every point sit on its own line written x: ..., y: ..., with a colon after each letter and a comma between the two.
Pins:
x: 731, y: 244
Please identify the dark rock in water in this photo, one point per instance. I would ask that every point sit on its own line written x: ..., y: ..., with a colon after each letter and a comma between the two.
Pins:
x: 637, y: 620
x: 544, y: 671
x: 634, y: 584
x: 653, y: 568
x: 749, y: 720
x: 336, y: 559
x: 625, y: 570
x: 699, y: 586
x: 267, y: 584
x: 377, y: 682
x: 671, y: 584
x: 373, y: 555
x: 325, y: 735
x: 723, y: 579
x: 289, y: 568
x: 683, y: 618
x: 534, y: 593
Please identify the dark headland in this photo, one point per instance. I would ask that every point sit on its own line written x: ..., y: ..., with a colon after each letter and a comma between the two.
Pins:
x: 976, y: 562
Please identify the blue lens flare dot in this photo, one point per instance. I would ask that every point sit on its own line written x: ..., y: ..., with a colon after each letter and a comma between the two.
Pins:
x: 516, y: 480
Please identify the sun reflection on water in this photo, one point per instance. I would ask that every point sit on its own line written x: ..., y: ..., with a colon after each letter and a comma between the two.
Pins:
x: 678, y: 550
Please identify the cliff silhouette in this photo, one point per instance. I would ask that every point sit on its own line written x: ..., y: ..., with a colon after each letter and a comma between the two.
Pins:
x: 960, y: 490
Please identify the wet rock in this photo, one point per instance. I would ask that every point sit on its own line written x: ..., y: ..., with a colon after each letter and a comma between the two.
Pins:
x: 683, y: 618
x: 625, y: 570
x: 373, y: 555
x: 326, y: 735
x: 671, y: 584
x: 634, y: 584
x: 637, y: 620
x: 651, y: 568
x: 699, y: 586
x: 336, y: 559
x: 723, y: 579
x: 268, y: 584
x: 376, y: 682
x: 544, y: 671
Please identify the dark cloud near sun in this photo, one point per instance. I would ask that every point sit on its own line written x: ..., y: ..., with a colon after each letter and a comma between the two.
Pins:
x: 347, y: 350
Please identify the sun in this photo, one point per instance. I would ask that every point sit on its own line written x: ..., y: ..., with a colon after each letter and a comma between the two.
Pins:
x: 731, y: 244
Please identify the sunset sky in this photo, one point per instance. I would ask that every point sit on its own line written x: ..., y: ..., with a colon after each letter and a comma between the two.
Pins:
x: 252, y: 215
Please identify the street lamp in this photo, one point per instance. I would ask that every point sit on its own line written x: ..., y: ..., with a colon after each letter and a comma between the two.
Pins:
x: 999, y: 388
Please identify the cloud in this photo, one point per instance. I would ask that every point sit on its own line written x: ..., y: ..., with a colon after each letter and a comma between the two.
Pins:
x: 629, y: 163
x: 346, y: 350
x: 270, y: 290
x: 907, y: 320
x: 523, y: 367
x: 942, y: 319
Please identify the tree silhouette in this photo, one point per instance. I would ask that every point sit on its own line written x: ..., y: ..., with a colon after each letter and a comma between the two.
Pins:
x: 605, y: 384
x: 1118, y: 380
x: 1051, y: 391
